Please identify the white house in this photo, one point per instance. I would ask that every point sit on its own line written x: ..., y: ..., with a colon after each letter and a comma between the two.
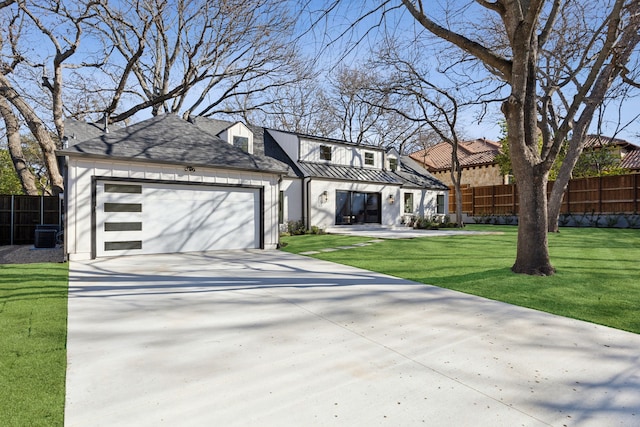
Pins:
x: 168, y: 185
x: 163, y: 186
x: 339, y: 183
x: 332, y: 182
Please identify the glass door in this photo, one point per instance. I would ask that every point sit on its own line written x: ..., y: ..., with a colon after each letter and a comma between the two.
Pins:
x: 353, y: 207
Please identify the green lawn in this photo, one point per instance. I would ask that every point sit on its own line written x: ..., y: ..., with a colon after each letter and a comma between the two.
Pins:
x: 598, y: 270
x: 33, y: 325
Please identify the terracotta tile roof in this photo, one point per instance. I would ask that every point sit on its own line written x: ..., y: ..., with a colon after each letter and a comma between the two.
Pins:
x: 471, y: 153
x: 629, y: 151
x: 631, y: 159
x: 596, y: 141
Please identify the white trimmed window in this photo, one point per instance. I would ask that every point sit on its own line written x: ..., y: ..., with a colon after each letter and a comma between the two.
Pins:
x: 325, y: 152
x: 408, y: 203
x: 241, y: 142
x: 369, y: 159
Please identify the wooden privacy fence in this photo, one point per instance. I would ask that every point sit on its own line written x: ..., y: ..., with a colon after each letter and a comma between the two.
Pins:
x: 608, y: 195
x: 20, y: 215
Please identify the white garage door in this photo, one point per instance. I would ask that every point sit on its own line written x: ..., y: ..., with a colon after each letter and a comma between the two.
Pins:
x: 148, y: 218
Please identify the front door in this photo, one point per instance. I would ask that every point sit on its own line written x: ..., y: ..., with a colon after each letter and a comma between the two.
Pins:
x: 353, y: 207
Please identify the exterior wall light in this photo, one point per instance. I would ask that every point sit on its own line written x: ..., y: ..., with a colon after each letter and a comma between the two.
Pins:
x: 391, y: 199
x: 324, y: 197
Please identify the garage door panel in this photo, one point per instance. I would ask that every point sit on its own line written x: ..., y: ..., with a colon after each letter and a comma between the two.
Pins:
x: 177, y: 218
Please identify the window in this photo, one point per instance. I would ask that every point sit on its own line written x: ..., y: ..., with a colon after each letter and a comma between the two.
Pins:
x: 408, y: 203
x: 122, y: 226
x: 325, y: 152
x: 353, y: 207
x: 123, y: 188
x: 440, y: 204
x: 393, y: 164
x: 281, y: 208
x: 368, y: 159
x: 122, y: 246
x: 123, y: 207
x: 241, y: 142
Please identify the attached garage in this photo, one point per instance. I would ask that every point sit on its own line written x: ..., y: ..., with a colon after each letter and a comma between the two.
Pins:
x: 166, y: 186
x: 136, y: 217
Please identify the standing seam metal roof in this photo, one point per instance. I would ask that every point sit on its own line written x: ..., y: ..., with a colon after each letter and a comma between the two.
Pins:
x: 405, y: 176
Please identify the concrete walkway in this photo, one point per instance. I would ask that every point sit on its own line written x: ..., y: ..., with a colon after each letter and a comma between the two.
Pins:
x: 383, y: 232
x: 266, y: 338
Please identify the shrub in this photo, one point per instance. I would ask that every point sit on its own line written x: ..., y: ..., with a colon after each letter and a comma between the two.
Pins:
x: 296, y: 228
x: 316, y: 230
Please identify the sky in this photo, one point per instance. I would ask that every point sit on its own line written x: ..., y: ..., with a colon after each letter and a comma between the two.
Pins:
x: 323, y: 42
x: 372, y: 29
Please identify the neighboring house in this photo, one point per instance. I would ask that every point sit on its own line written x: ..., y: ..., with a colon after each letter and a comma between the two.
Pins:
x: 477, y: 159
x: 168, y: 185
x: 629, y: 153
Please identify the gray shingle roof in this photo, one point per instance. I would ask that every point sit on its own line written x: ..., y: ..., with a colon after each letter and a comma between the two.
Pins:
x: 169, y: 139
x: 213, y: 126
x: 77, y: 131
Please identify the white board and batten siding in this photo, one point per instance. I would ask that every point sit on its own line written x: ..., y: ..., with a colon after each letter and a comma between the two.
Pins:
x: 342, y: 155
x: 130, y: 208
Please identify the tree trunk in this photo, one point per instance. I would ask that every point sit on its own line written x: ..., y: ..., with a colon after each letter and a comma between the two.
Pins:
x: 532, y: 255
x: 47, y: 145
x: 14, y: 145
x: 562, y: 181
x: 456, y: 177
x: 458, y: 190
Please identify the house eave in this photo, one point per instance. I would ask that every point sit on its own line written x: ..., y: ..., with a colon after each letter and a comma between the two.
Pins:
x: 364, y: 181
x: 73, y: 154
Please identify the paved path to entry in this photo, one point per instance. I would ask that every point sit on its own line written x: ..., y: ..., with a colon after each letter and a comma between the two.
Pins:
x: 265, y: 338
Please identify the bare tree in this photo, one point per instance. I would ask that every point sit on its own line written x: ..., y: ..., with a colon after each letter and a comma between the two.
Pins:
x: 14, y: 145
x: 529, y: 27
x: 295, y: 109
x: 62, y: 27
x: 610, y: 50
x: 192, y: 56
x: 347, y: 108
x: 409, y: 92
x: 352, y: 118
x: 112, y: 60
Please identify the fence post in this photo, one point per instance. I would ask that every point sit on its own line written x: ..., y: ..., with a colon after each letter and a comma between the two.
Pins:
x: 493, y: 199
x: 12, y: 220
x: 599, y: 194
x: 635, y: 193
x: 473, y: 201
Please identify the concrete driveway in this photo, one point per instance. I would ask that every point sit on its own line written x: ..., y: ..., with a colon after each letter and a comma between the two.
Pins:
x: 265, y: 338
